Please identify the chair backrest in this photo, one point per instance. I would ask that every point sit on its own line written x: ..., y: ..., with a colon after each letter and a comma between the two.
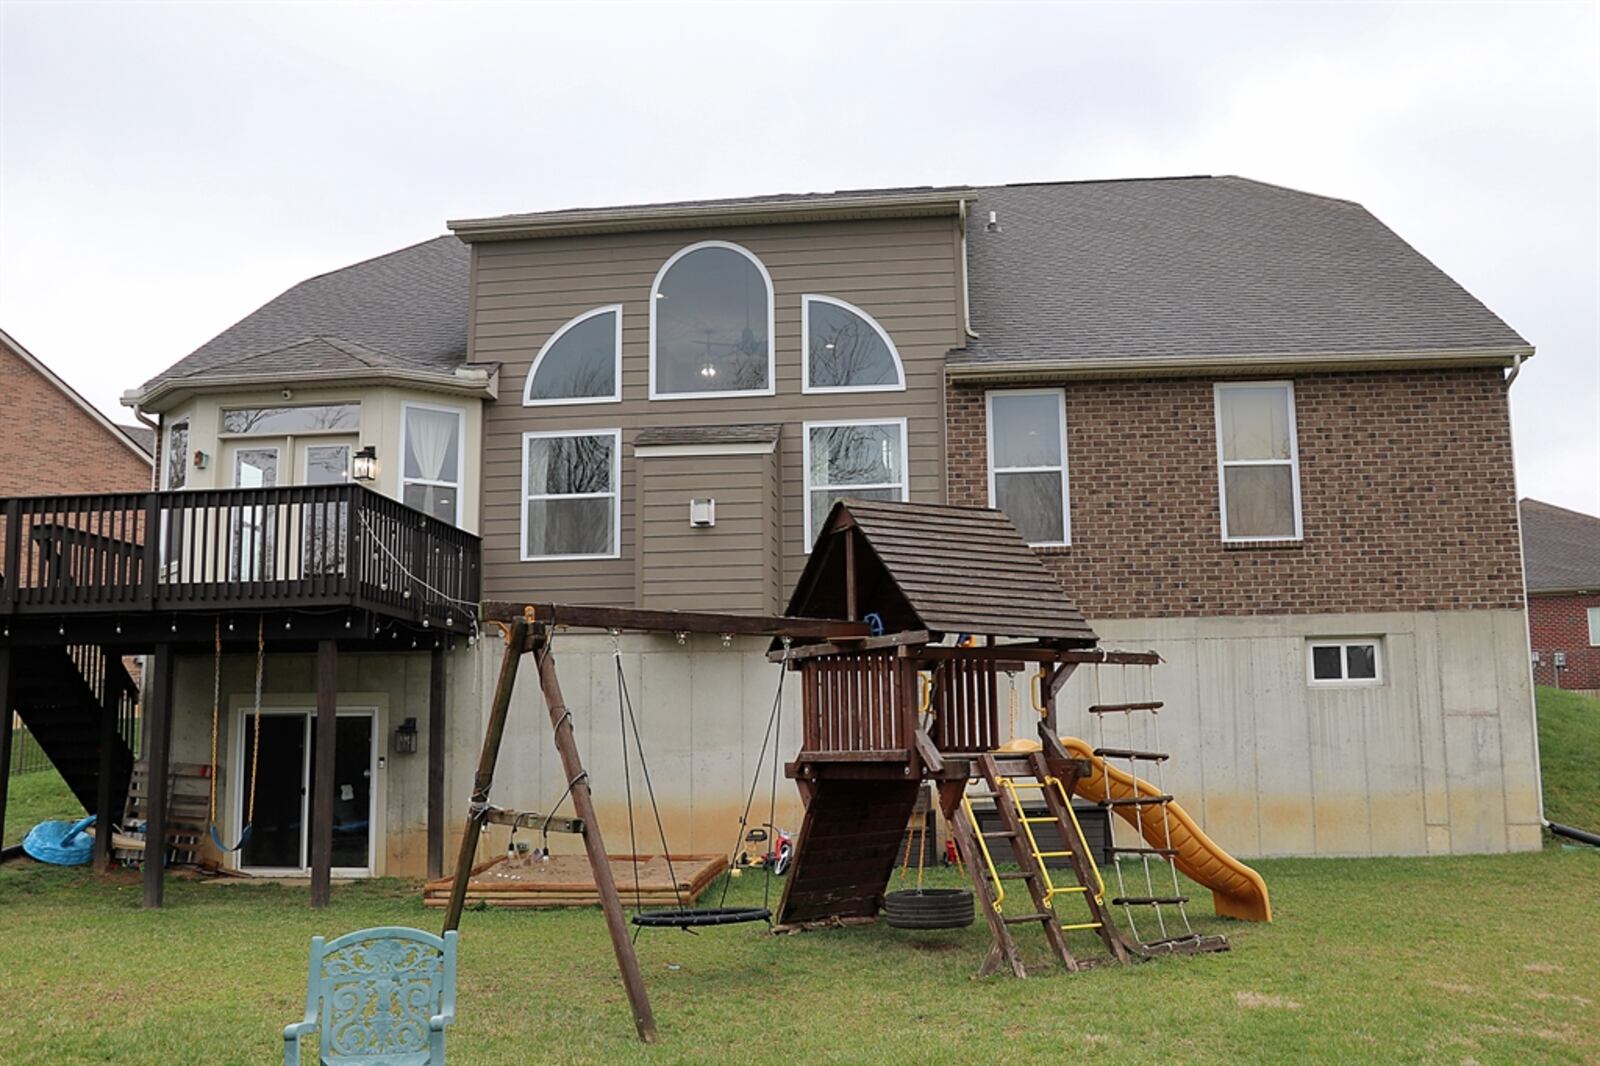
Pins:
x: 374, y: 991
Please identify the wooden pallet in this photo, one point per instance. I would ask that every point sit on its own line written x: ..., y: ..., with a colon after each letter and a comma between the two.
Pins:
x: 567, y: 881
x: 188, y: 814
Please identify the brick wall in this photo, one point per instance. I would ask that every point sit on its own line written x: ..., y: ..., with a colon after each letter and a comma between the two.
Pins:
x: 1407, y: 497
x: 1560, y: 622
x: 48, y: 444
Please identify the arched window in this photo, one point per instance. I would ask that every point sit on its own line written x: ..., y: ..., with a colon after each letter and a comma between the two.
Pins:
x: 581, y: 362
x: 846, y: 350
x: 711, y: 324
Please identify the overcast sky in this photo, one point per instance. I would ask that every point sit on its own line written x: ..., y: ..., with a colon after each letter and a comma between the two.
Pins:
x: 165, y: 169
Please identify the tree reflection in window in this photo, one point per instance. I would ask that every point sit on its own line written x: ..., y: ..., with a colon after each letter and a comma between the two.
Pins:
x: 846, y: 349
x: 857, y: 459
x: 711, y: 323
x: 580, y: 362
x: 308, y: 419
x: 570, y: 485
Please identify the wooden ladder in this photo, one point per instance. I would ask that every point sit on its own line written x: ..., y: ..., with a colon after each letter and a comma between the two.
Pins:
x: 1003, y: 775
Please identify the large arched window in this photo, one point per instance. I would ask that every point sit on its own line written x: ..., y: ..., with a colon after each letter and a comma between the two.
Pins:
x: 845, y: 349
x: 581, y: 362
x: 711, y: 324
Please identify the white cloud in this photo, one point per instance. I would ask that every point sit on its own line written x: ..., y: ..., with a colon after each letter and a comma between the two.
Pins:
x: 164, y: 169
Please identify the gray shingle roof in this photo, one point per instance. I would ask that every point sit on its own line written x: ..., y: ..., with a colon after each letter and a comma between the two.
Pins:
x: 143, y: 436
x: 762, y: 433
x: 404, y: 309
x: 1201, y: 266
x: 1560, y: 548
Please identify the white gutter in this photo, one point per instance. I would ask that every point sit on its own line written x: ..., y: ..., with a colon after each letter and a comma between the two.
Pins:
x: 467, y: 380
x: 1141, y: 366
x: 966, y: 291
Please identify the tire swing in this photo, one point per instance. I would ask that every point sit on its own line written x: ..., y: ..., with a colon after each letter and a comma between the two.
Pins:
x: 927, y: 908
x: 681, y: 916
x: 255, y: 747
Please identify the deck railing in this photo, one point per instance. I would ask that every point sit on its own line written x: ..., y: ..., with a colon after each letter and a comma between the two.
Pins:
x: 216, y: 549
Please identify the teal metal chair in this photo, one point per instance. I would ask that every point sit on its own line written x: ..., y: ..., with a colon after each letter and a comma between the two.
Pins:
x: 380, y: 997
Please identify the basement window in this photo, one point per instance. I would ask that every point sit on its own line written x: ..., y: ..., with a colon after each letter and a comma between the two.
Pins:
x: 1344, y: 662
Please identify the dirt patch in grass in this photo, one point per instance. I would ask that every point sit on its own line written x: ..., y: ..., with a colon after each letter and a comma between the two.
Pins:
x: 1254, y: 1000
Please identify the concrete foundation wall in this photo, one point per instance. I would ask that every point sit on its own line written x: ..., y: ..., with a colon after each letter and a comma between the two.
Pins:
x: 702, y: 709
x: 1440, y: 758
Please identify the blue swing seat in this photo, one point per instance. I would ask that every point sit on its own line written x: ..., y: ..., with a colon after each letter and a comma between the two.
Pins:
x: 380, y: 997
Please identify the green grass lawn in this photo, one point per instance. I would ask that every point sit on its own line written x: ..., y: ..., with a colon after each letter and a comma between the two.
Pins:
x: 1569, y: 756
x: 37, y: 797
x: 1468, y: 959
x: 1491, y: 959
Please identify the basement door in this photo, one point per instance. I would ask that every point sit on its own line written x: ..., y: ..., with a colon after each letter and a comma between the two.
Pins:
x: 280, y: 840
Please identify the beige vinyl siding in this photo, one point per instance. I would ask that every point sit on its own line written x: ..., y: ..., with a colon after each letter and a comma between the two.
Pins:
x: 733, y: 563
x: 902, y: 272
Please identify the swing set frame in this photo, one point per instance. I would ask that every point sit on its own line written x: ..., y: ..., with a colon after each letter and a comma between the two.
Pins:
x: 528, y: 629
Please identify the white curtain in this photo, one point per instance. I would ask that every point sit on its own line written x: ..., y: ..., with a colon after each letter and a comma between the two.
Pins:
x: 428, y: 437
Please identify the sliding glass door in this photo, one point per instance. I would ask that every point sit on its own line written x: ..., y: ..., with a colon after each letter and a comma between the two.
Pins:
x: 285, y: 798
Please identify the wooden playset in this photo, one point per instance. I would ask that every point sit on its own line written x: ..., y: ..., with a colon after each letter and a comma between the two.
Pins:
x: 899, y: 629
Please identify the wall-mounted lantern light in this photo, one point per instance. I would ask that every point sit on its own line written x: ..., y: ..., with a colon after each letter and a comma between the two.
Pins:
x: 364, y: 465
x: 405, y: 738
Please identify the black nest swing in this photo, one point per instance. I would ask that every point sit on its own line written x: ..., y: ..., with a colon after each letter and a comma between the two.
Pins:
x: 682, y: 916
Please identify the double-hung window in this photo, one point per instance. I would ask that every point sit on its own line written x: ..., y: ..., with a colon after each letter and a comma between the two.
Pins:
x: 430, y: 447
x: 571, y: 492
x: 866, y: 460
x: 1258, y: 461
x: 1028, y: 462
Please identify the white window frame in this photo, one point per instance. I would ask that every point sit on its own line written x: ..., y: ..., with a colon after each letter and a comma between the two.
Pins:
x: 461, y: 454
x: 1293, y: 462
x: 616, y: 355
x: 1066, y: 498
x: 905, y: 464
x: 615, y: 495
x: 772, y: 333
x: 806, y: 300
x: 1343, y: 644
x: 1594, y: 627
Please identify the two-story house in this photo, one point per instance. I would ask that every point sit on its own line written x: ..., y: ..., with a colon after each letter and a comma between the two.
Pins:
x: 1249, y: 427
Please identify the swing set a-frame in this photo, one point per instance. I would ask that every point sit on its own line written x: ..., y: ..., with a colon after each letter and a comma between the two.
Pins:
x: 528, y: 631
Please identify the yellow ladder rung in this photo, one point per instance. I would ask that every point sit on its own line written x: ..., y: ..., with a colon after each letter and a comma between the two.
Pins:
x: 1024, y: 784
x: 1081, y: 925
x: 1052, y: 854
x: 1072, y: 888
x: 1038, y: 821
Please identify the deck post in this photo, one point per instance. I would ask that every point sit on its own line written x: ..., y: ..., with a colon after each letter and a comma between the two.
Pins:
x: 616, y: 923
x: 436, y: 745
x: 322, y: 773
x: 158, y: 750
x: 104, y: 817
x: 7, y: 711
x: 483, y: 779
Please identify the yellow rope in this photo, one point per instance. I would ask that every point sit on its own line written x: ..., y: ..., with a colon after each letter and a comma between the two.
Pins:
x: 255, y: 749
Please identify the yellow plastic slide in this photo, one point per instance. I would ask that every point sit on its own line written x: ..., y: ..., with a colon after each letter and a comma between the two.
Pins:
x: 1236, y: 890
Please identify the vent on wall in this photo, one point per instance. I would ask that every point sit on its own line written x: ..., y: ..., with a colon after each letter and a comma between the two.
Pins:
x: 703, y: 513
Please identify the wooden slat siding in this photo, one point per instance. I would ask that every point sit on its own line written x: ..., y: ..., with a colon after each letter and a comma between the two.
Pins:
x: 681, y: 567
x: 903, y: 272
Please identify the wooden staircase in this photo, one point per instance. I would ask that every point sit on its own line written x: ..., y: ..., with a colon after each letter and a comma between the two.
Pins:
x: 58, y: 697
x: 1005, y: 776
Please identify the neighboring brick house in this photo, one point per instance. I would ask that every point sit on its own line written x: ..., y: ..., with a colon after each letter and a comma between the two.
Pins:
x: 55, y: 441
x: 1561, y: 554
x: 1248, y: 427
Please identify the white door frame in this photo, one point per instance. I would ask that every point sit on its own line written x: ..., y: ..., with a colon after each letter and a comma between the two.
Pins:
x: 236, y: 800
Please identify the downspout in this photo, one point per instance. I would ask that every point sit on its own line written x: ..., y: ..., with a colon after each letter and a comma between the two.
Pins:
x: 966, y: 292
x: 155, y: 453
x: 1527, y: 657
